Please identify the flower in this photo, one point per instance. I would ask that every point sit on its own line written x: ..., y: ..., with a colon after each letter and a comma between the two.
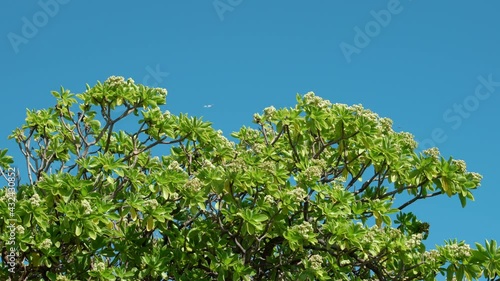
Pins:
x: 46, y: 244
x: 311, y: 99
x: 257, y: 118
x: 269, y: 198
x: 476, y: 177
x: 62, y: 278
x: 161, y: 91
x: 431, y: 256
x: 153, y: 203
x: 86, y: 207
x: 20, y: 229
x: 312, y: 173
x: 269, y: 111
x: 432, y: 152
x: 408, y: 140
x: 415, y: 240
x: 386, y: 124
x: 115, y: 81
x: 100, y: 266
x: 194, y: 184
x: 324, y: 104
x: 35, y: 200
x: 174, y: 165
x: 304, y: 229
x: 460, y: 165
x: 297, y: 194
x: 208, y: 164
x: 316, y: 261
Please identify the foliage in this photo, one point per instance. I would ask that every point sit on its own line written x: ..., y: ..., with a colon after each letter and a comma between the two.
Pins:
x: 309, y: 194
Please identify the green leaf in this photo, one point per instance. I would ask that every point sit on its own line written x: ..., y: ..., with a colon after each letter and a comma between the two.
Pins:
x: 78, y: 230
x: 149, y: 223
x: 5, y: 160
x: 259, y: 217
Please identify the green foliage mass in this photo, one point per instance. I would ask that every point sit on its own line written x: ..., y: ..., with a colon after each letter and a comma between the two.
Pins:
x: 313, y: 192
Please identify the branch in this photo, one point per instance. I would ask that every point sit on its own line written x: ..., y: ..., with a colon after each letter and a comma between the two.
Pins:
x: 295, y: 154
x: 419, y: 197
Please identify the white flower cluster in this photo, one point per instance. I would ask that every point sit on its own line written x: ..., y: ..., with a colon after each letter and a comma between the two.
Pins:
x: 359, y: 110
x: 35, y: 200
x: 374, y: 233
x: 115, y: 81
x: 237, y: 165
x: 316, y: 261
x: 174, y: 165
x: 459, y: 251
x: 193, y: 184
x: 267, y: 166
x: 62, y: 278
x: 207, y: 164
x: 408, y: 140
x: 431, y: 256
x: 386, y: 124
x: 311, y: 99
x: 86, y: 207
x: 162, y: 91
x: 414, y: 241
x: 46, y: 244
x: 153, y: 203
x: 257, y: 118
x: 341, y: 105
x: 257, y: 148
x: 225, y: 142
x: 100, y: 266
x: 304, y: 229
x: 312, y: 173
x: 462, y: 167
x: 269, y: 198
x: 432, y: 152
x: 324, y: 104
x: 345, y: 262
x: 297, y: 194
x: 228, y: 143
x: 251, y: 134
x: 270, y: 111
x: 338, y: 182
x: 319, y: 162
x: 20, y: 229
x: 371, y: 235
x: 476, y: 176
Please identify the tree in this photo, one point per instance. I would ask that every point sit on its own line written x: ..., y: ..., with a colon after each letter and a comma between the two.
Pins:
x: 314, y: 192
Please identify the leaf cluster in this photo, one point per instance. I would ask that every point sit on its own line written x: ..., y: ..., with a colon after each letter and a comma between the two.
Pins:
x: 308, y: 193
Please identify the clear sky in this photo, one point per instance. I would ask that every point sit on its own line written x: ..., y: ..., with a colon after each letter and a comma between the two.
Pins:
x: 431, y: 66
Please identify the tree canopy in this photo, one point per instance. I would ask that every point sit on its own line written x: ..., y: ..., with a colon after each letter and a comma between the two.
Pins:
x: 118, y: 189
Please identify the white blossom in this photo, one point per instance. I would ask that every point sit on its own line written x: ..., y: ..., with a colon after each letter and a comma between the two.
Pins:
x: 269, y: 111
x: 462, y: 167
x: 87, y: 207
x: 316, y: 261
x: 46, y: 244
x: 297, y: 194
x: 193, y: 184
x: 20, y: 229
x: 432, y: 152
x: 35, y: 200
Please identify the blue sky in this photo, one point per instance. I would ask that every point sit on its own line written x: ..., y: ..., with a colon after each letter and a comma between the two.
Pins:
x: 433, y: 67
